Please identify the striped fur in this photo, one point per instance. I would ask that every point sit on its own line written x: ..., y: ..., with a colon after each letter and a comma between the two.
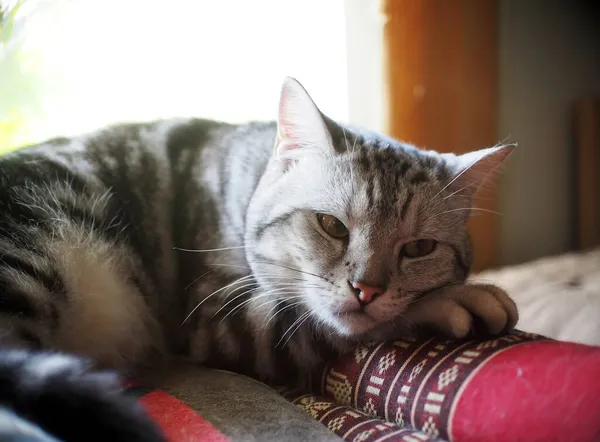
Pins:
x: 199, y: 239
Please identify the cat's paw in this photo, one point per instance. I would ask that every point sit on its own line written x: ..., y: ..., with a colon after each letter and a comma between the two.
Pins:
x: 458, y: 310
x: 61, y: 398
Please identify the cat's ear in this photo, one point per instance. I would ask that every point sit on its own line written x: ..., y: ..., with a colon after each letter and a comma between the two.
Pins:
x: 300, y: 126
x: 472, y: 169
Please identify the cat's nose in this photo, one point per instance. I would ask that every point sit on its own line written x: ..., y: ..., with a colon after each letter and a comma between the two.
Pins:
x: 365, y: 292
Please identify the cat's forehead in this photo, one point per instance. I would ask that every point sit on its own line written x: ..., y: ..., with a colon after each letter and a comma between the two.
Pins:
x: 372, y: 181
x: 381, y: 181
x: 393, y: 166
x: 404, y: 161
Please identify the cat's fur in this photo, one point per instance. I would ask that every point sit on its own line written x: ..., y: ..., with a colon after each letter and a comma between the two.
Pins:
x: 200, y: 239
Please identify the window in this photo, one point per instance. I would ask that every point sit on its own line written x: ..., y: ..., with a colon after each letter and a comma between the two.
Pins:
x: 85, y: 64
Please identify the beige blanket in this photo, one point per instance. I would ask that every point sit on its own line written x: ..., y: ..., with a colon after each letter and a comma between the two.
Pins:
x: 557, y: 296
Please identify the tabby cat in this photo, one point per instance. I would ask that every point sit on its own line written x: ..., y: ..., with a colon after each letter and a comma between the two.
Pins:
x: 263, y: 248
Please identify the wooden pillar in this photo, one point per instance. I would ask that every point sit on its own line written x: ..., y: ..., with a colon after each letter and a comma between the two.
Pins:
x: 442, y: 74
x: 587, y: 172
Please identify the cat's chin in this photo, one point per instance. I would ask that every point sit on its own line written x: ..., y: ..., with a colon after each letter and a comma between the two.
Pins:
x: 354, y: 323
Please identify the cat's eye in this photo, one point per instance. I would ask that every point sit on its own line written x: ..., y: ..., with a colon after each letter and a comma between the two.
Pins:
x: 332, y: 226
x: 418, y: 248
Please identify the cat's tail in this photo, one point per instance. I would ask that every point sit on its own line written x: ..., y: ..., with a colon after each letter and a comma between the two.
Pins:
x: 51, y: 397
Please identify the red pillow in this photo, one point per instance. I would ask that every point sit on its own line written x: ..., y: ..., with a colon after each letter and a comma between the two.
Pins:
x: 520, y: 387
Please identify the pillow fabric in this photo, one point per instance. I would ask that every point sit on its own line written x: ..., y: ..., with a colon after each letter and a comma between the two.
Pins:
x: 519, y: 387
x: 199, y: 404
x: 178, y: 421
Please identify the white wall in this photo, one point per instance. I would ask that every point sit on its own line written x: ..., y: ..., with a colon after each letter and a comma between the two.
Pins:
x: 549, y: 57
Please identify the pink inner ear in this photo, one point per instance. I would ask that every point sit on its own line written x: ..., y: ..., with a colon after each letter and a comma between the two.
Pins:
x: 299, y: 124
x: 286, y: 136
x: 285, y: 145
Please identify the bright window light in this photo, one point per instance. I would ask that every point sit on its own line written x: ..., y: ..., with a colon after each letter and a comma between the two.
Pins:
x: 129, y: 60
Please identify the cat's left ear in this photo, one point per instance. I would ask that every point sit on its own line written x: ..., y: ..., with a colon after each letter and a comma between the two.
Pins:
x: 300, y: 126
x: 472, y: 169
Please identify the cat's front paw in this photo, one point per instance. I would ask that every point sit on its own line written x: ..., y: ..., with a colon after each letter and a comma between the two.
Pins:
x: 460, y: 309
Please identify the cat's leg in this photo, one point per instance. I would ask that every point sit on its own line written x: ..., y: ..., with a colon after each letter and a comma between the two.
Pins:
x: 456, y: 309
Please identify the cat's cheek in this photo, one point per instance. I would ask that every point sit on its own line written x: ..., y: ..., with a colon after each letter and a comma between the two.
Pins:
x: 439, y: 265
x: 267, y: 246
x: 387, y: 307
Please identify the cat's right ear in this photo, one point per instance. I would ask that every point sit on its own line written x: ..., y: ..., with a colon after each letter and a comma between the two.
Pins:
x: 300, y: 127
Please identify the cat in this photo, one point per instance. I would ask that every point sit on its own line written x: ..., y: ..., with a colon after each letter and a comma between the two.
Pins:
x: 263, y: 248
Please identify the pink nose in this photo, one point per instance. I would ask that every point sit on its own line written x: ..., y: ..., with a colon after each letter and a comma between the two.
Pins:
x: 366, y: 293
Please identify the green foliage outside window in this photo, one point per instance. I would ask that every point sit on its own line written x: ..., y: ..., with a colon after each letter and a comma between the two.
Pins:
x: 20, y: 83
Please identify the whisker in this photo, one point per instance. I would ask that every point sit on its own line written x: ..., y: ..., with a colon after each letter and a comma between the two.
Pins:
x: 249, y: 291
x: 455, y: 178
x: 458, y: 191
x: 279, y: 302
x: 231, y: 291
x: 410, y: 323
x: 479, y: 209
x: 232, y: 300
x: 272, y: 278
x: 273, y: 264
x: 282, y: 277
x: 237, y: 308
x: 306, y: 317
x: 208, y: 250
x: 295, y: 270
x: 214, y: 293
x: 229, y: 265
x: 245, y: 302
x: 254, y: 298
x: 279, y: 276
x: 245, y: 267
x: 466, y: 169
x: 284, y: 289
x: 197, y: 279
x: 298, y: 320
x: 430, y: 293
x: 287, y: 307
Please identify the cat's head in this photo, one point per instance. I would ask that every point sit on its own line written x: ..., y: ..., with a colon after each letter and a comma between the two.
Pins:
x: 351, y: 226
